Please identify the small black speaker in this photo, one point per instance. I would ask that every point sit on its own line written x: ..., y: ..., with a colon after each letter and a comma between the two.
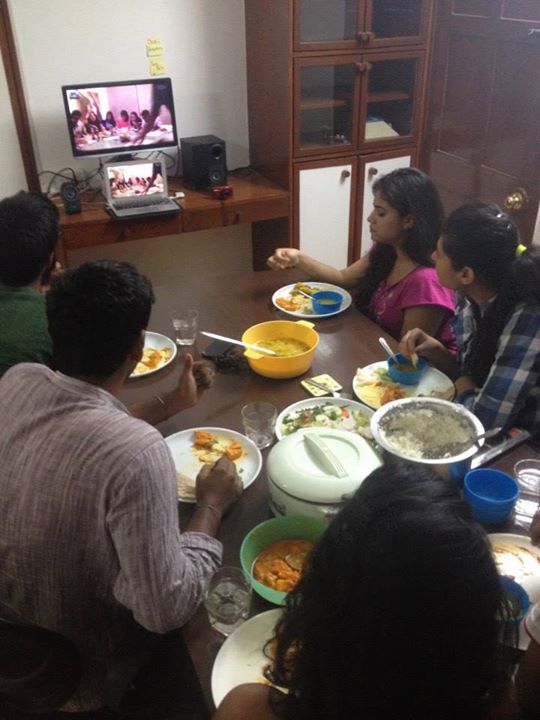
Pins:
x: 204, y: 162
x: 70, y: 195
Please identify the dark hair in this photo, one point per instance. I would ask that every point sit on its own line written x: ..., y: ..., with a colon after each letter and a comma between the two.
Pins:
x: 410, y: 192
x: 96, y: 313
x: 395, y: 615
x: 28, y: 236
x: 482, y: 237
x: 124, y: 114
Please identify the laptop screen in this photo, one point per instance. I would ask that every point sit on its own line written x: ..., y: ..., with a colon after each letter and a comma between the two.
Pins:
x: 130, y: 179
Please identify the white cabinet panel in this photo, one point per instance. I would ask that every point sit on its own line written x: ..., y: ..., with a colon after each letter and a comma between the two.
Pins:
x: 372, y: 172
x: 324, y: 213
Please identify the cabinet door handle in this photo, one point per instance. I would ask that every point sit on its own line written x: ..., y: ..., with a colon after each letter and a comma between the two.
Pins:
x: 345, y: 174
x: 372, y: 171
x: 363, y: 67
x: 365, y: 37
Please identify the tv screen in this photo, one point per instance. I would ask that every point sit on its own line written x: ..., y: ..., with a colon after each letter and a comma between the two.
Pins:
x: 120, y: 117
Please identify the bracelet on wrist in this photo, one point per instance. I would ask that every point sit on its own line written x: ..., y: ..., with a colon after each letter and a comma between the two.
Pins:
x: 214, y: 509
x: 160, y: 400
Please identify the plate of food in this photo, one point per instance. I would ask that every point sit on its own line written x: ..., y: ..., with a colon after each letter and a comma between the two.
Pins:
x: 159, y: 351
x: 336, y: 413
x: 517, y: 558
x: 293, y: 302
x: 241, y: 658
x: 373, y: 386
x: 191, y: 449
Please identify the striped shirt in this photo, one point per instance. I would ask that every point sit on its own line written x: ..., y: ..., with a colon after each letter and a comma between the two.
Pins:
x: 510, y: 395
x: 88, y: 521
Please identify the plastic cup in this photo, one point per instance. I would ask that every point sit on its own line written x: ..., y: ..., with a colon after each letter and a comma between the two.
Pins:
x: 491, y: 495
x: 527, y: 474
x: 227, y: 599
x: 259, y: 420
x: 185, y: 324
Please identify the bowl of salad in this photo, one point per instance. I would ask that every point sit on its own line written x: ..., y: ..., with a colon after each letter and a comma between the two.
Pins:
x: 334, y: 413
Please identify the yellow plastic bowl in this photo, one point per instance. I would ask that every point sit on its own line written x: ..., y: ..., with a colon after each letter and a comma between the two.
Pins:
x: 281, y: 367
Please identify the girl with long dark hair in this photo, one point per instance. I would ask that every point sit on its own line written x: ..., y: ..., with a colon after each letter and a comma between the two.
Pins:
x: 497, y: 370
x: 395, y: 283
x: 394, y: 616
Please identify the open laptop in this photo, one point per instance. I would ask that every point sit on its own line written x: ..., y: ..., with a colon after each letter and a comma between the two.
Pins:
x: 137, y: 188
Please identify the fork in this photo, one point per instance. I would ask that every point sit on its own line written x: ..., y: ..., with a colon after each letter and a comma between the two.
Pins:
x: 333, y: 393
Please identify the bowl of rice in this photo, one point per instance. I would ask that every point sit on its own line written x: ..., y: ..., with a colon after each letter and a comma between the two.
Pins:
x: 427, y: 430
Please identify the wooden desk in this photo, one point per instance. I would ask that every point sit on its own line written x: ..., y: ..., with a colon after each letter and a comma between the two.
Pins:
x: 228, y: 305
x: 254, y: 199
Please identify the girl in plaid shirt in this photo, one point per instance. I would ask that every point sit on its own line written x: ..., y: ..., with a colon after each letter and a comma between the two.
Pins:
x: 497, y: 321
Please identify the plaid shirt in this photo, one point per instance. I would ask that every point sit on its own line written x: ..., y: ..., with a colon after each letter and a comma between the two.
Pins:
x: 511, y: 393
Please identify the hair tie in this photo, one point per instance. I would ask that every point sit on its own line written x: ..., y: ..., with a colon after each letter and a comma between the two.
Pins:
x: 520, y: 250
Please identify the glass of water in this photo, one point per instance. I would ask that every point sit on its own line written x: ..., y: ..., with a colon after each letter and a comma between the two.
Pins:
x: 185, y: 323
x: 227, y: 599
x: 259, y: 420
x: 527, y: 474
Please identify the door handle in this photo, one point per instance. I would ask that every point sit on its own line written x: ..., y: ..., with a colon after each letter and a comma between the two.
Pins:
x: 516, y: 200
x: 345, y: 174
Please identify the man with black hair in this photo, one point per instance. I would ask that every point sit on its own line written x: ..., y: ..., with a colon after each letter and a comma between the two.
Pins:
x: 28, y: 237
x: 89, y: 536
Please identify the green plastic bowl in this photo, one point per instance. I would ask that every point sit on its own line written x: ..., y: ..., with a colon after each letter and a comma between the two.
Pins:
x: 268, y: 532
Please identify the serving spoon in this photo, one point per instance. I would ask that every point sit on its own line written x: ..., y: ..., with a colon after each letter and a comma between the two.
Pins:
x: 392, y: 354
x: 258, y: 349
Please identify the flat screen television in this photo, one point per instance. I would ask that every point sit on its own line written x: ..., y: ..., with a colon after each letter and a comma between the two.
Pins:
x: 113, y: 118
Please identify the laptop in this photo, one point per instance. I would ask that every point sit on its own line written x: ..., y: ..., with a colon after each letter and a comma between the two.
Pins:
x: 137, y: 188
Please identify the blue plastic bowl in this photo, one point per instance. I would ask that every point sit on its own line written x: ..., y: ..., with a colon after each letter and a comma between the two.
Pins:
x: 326, y: 301
x: 491, y: 494
x: 517, y: 598
x: 406, y: 377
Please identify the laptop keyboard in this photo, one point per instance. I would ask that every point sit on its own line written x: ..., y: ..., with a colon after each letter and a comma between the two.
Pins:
x: 142, y: 201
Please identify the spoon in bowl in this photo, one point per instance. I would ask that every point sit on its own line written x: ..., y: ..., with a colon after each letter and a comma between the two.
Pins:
x: 388, y: 350
x: 258, y: 349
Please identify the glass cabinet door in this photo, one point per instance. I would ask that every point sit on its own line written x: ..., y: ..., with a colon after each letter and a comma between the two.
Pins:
x: 391, y: 98
x: 393, y: 22
x: 326, y: 105
x: 327, y: 24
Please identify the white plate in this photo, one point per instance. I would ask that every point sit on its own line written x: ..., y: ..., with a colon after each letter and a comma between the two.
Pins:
x: 307, y: 312
x: 181, y: 447
x: 433, y: 383
x: 240, y: 658
x: 519, y: 565
x: 159, y: 342
x: 313, y: 402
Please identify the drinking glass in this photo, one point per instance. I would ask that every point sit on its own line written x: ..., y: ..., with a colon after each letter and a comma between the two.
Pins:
x: 527, y: 474
x: 185, y: 324
x: 259, y: 420
x: 227, y: 599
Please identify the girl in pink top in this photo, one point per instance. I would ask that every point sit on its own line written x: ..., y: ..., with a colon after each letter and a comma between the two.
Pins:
x: 396, y: 283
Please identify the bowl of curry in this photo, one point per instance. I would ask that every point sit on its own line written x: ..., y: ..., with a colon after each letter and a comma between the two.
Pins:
x: 274, y: 553
x: 294, y: 345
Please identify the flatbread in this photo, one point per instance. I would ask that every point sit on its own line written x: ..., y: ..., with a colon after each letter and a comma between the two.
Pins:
x: 185, y: 486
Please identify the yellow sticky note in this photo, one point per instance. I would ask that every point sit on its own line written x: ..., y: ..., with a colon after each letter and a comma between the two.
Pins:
x: 154, y: 47
x: 157, y: 67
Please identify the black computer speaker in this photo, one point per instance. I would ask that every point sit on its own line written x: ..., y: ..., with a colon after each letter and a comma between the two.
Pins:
x: 69, y: 193
x: 203, y: 161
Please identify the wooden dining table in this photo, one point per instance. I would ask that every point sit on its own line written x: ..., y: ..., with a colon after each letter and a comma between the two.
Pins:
x: 228, y: 305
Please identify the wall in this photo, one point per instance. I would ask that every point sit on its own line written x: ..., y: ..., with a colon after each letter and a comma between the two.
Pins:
x: 12, y: 176
x: 59, y: 42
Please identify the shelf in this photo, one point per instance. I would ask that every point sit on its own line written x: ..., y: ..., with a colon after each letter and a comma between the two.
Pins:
x: 390, y: 96
x: 320, y: 103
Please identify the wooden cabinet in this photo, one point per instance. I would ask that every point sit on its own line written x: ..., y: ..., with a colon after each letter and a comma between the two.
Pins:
x: 335, y: 88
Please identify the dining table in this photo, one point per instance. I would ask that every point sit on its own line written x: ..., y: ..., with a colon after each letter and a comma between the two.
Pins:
x: 228, y: 305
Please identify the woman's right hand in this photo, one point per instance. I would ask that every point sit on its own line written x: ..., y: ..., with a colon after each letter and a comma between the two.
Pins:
x: 284, y: 258
x: 418, y: 342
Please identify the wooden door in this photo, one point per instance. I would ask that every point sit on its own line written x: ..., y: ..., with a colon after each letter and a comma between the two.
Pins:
x: 483, y: 130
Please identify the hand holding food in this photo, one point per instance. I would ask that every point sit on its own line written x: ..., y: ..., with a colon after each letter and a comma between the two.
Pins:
x: 196, y: 377
x: 218, y: 485
x: 284, y: 258
x: 417, y: 342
